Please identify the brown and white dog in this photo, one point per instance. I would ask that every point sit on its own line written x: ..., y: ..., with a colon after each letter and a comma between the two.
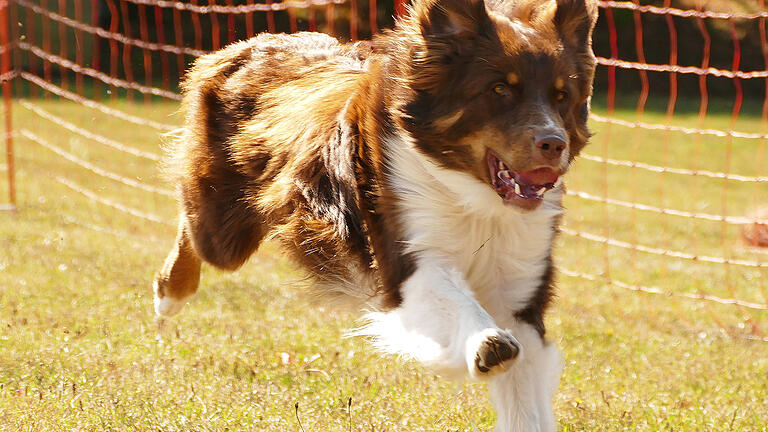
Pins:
x: 420, y: 173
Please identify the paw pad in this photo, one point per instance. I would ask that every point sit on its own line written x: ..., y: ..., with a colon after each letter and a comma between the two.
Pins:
x: 494, y: 351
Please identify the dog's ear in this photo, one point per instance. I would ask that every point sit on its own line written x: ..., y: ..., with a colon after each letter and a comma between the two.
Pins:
x: 449, y: 18
x: 574, y: 20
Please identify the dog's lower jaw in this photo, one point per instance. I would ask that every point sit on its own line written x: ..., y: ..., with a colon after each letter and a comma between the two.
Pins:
x: 522, y: 396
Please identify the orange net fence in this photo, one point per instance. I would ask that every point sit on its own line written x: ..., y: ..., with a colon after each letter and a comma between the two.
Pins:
x: 680, y: 181
x: 669, y: 201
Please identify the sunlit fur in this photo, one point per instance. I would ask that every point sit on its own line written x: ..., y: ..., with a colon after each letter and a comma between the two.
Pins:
x: 368, y: 163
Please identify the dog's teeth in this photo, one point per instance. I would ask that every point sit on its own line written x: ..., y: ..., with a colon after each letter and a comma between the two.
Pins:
x: 541, y: 191
x: 501, y: 165
x: 517, y: 189
x: 504, y: 176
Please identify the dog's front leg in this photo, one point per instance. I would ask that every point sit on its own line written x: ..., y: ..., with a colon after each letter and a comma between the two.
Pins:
x: 523, y: 395
x: 440, y: 323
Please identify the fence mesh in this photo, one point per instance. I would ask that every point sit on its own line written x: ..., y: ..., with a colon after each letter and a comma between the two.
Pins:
x: 668, y: 203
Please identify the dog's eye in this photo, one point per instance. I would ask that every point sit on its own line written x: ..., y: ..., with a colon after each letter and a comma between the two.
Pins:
x: 561, y: 96
x: 500, y: 89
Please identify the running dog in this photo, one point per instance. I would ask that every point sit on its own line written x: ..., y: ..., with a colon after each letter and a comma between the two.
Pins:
x: 419, y: 173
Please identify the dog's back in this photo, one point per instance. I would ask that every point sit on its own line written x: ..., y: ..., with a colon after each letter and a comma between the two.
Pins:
x: 262, y: 130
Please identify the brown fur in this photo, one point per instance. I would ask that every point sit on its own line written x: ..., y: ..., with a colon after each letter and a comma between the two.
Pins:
x: 285, y: 134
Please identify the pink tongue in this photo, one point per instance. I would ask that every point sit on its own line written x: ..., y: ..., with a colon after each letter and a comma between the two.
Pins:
x: 539, y: 176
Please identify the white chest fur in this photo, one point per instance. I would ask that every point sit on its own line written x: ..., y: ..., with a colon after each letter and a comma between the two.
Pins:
x: 458, y: 220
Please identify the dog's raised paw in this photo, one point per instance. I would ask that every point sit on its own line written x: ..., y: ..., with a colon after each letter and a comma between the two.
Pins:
x: 496, y: 350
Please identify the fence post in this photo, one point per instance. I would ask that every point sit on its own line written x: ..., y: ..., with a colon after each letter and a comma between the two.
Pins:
x: 6, y: 71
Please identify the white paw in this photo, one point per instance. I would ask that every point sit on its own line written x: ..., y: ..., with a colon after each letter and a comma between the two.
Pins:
x: 168, y: 306
x: 491, y: 351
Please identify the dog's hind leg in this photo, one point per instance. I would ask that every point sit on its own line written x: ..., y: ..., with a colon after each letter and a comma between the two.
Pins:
x: 216, y: 227
x: 180, y: 275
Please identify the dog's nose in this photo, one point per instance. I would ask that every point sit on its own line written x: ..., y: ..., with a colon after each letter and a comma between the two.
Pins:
x: 551, y: 145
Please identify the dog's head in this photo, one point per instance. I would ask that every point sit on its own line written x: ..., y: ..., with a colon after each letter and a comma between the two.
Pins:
x: 500, y: 91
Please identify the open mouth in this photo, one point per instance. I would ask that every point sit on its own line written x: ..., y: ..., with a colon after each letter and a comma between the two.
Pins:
x: 524, y: 189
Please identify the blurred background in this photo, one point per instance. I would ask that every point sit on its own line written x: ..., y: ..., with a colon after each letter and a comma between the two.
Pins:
x: 663, y: 255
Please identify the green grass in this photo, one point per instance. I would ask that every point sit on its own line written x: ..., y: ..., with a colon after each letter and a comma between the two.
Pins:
x: 80, y: 348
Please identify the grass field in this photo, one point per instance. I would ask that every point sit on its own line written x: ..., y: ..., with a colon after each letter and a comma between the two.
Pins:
x: 81, y: 349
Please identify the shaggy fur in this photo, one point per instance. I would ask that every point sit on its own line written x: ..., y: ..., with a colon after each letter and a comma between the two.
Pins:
x: 419, y: 173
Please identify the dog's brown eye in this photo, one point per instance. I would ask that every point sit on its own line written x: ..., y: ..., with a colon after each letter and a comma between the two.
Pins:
x: 561, y: 96
x: 500, y: 89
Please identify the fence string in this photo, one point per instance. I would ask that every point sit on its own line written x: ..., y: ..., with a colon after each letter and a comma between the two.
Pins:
x: 117, y: 82
x: 125, y: 236
x: 125, y: 209
x: 93, y: 168
x: 47, y: 86
x: 681, y: 69
x: 685, y: 130
x: 659, y: 251
x: 118, y: 37
x: 241, y: 9
x: 664, y: 169
x: 87, y: 134
x: 8, y: 76
x: 735, y: 220
x: 655, y: 290
x: 688, y: 13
